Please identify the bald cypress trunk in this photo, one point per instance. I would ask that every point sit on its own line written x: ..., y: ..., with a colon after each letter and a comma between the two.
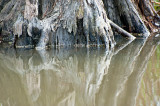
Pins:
x: 38, y: 23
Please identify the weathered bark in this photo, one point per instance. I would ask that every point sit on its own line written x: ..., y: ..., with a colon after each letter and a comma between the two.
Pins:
x: 58, y: 22
x: 40, y: 23
x: 124, y: 13
x: 150, y: 16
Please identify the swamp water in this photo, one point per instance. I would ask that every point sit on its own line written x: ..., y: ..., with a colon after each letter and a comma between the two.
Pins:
x: 126, y: 76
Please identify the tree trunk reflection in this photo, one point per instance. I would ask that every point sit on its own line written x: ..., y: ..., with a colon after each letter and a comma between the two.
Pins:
x: 74, y: 77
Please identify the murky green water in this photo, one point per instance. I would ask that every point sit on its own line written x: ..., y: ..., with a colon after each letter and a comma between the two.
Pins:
x: 126, y: 76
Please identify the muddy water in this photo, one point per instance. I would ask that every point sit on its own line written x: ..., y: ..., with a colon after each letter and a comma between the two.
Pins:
x: 126, y: 76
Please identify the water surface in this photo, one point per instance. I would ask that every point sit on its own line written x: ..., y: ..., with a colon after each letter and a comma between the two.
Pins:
x: 126, y: 76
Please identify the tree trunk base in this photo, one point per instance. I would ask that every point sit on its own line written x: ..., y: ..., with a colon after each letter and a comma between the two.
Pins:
x: 39, y: 23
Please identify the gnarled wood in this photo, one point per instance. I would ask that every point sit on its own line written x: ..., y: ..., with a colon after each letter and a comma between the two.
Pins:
x: 69, y: 22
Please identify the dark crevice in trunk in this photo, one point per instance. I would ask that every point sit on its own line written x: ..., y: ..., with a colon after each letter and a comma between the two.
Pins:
x: 57, y: 41
x: 3, y: 3
x: 36, y: 34
x: 123, y: 20
x: 0, y: 31
x: 40, y: 12
x: 15, y: 41
x: 24, y: 41
x: 79, y: 36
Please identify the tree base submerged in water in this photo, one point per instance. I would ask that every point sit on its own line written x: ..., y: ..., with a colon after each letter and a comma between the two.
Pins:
x: 39, y: 23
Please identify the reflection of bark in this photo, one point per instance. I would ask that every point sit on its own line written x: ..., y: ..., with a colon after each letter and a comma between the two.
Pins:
x: 33, y: 85
x: 121, y: 84
x: 120, y: 69
x: 74, y: 77
x: 78, y: 75
x: 50, y: 78
x: 130, y: 92
x: 11, y: 88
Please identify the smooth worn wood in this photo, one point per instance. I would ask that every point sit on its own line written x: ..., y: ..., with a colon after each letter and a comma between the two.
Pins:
x: 121, y: 31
